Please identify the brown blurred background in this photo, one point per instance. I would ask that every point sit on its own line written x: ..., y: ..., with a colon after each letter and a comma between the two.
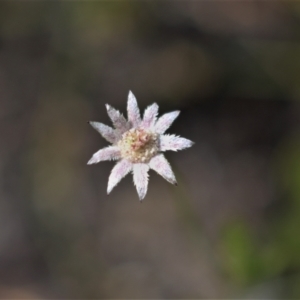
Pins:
x: 231, y: 229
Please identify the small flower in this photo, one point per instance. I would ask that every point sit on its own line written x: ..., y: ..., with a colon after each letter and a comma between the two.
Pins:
x: 137, y: 144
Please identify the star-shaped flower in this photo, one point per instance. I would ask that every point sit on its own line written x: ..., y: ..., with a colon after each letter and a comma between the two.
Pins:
x: 137, y: 144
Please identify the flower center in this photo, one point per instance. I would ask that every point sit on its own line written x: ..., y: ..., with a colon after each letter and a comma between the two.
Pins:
x: 138, y: 145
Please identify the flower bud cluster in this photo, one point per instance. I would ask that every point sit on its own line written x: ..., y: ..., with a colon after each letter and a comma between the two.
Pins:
x: 138, y: 145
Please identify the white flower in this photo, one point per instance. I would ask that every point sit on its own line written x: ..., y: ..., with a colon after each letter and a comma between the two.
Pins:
x: 137, y: 144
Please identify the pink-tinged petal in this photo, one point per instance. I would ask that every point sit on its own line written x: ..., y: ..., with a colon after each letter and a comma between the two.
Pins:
x: 160, y: 165
x: 118, y: 119
x: 140, y: 179
x: 108, y: 153
x: 174, y: 143
x: 119, y: 171
x: 133, y: 110
x: 165, y: 121
x: 107, y: 132
x: 150, y: 116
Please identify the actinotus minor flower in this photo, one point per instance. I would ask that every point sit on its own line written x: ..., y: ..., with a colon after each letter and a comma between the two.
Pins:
x: 137, y: 144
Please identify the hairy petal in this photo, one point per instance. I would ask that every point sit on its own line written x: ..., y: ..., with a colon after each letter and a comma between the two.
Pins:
x: 118, y: 119
x: 173, y: 142
x: 107, y: 132
x: 133, y: 111
x: 150, y: 116
x: 108, y: 153
x: 119, y: 171
x: 140, y: 179
x: 160, y: 165
x: 165, y: 121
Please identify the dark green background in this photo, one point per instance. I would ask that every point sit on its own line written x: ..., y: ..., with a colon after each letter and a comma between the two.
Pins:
x: 231, y: 227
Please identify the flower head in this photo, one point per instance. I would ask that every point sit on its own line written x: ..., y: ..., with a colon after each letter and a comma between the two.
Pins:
x: 137, y: 144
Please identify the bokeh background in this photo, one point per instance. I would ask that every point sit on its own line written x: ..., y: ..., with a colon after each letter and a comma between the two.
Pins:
x: 231, y: 229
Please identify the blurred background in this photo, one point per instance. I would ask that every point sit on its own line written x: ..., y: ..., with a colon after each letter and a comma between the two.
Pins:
x: 231, y: 229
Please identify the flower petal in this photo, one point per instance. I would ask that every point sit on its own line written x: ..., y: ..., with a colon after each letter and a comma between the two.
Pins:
x: 165, y: 121
x: 108, y: 153
x: 160, y: 165
x: 140, y: 179
x: 107, y: 132
x: 150, y: 116
x: 133, y: 111
x: 173, y: 142
x: 119, y: 171
x: 117, y: 118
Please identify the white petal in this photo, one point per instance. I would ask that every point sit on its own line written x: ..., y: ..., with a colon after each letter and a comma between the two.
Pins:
x: 165, y: 121
x: 119, y: 171
x: 173, y: 142
x: 150, y: 116
x: 117, y: 118
x: 140, y: 179
x: 160, y: 165
x: 107, y: 132
x: 108, y: 153
x: 133, y: 110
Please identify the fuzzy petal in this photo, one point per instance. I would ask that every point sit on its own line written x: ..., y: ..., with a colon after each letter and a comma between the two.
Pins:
x: 133, y: 111
x: 107, y: 132
x: 150, y: 116
x: 108, y: 153
x: 118, y: 119
x: 165, y: 121
x: 119, y: 171
x: 140, y: 179
x: 174, y: 143
x: 160, y: 165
